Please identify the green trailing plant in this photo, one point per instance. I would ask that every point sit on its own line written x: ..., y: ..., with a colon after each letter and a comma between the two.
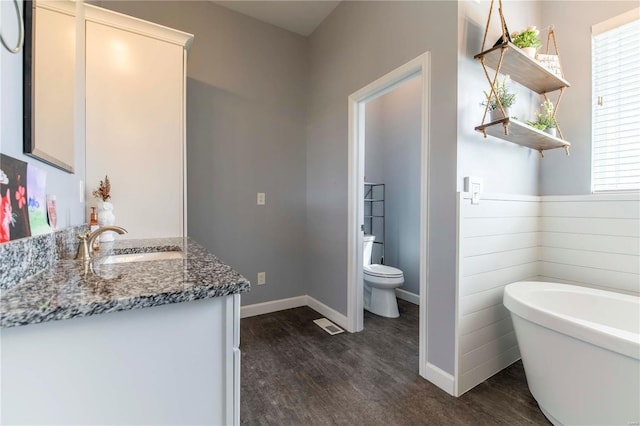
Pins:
x: 507, y: 99
x: 527, y: 38
x: 544, y: 119
x: 538, y: 126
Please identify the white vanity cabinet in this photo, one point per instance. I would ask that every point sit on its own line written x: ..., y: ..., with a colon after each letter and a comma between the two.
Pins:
x: 135, y: 120
x: 175, y: 364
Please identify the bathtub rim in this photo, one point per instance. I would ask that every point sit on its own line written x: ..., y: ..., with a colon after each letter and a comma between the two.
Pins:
x: 620, y: 341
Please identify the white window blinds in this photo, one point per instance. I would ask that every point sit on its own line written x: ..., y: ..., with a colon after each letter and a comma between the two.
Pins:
x: 616, y: 104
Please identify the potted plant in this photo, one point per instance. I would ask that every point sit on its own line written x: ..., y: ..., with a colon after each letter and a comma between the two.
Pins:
x: 527, y: 40
x: 507, y: 99
x: 545, y: 120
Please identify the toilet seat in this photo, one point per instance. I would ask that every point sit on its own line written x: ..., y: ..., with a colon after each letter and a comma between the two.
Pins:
x: 382, y: 271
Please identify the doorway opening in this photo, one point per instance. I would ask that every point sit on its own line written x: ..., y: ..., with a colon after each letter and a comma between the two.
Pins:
x: 417, y: 68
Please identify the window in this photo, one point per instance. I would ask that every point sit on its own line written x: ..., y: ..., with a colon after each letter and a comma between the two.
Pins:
x: 616, y: 103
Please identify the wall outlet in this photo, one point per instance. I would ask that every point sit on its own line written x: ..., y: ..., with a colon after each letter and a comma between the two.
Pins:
x: 261, y: 198
x: 262, y: 278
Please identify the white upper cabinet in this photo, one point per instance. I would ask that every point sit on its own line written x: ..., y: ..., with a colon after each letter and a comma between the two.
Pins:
x: 135, y: 121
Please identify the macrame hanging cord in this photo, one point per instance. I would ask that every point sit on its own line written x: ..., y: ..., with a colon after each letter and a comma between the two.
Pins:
x: 20, y: 33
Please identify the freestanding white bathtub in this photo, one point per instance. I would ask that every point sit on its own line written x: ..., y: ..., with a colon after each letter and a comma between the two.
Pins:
x: 581, y: 351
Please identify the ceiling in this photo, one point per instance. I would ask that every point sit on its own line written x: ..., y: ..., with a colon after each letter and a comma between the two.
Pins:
x: 302, y: 16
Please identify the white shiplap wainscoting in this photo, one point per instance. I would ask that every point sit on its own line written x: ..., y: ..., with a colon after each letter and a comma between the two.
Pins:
x: 588, y: 240
x: 498, y: 243
x: 592, y: 240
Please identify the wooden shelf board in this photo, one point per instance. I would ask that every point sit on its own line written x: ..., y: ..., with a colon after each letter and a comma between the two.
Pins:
x: 522, y: 134
x: 523, y: 69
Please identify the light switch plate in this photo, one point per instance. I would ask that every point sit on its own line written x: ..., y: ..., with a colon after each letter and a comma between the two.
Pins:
x: 81, y: 190
x: 473, y: 185
x: 261, y: 198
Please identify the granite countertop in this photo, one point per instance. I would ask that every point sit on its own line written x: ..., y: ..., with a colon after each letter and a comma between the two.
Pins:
x: 69, y: 290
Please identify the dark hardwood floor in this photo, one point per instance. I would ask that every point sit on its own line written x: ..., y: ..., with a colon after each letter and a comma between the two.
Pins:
x: 294, y: 373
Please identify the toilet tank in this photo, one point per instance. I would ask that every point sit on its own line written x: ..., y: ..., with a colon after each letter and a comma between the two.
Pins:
x: 368, y: 247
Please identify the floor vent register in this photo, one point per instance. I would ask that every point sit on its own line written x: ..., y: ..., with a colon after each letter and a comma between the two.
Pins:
x: 328, y: 326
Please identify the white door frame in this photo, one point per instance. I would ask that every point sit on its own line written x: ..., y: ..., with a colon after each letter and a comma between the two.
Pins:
x: 419, y: 66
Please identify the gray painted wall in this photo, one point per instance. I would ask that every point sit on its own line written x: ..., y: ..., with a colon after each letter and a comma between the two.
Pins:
x: 392, y: 156
x: 374, y: 172
x: 267, y: 111
x: 64, y: 185
x: 561, y: 175
x: 245, y: 134
x: 374, y: 137
x: 509, y: 168
x: 503, y: 166
x: 358, y: 43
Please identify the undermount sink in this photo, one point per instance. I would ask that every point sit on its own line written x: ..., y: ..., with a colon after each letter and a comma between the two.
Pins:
x: 142, y: 257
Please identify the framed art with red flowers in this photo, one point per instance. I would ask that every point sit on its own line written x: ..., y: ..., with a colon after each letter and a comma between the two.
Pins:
x: 14, y: 206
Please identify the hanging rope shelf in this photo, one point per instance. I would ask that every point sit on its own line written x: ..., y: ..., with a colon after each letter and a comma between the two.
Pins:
x: 542, y: 76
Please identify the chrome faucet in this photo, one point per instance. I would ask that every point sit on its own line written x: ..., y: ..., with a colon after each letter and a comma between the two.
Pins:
x: 85, y: 250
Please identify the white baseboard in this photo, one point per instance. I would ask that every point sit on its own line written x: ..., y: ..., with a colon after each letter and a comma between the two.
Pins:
x: 294, y: 302
x: 272, y: 306
x: 440, y: 378
x: 328, y: 312
x: 408, y: 296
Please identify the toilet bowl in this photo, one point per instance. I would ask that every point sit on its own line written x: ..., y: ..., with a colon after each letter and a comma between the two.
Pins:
x: 380, y: 282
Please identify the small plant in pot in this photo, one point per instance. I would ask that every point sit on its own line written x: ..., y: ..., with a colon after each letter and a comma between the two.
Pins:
x: 507, y: 99
x: 527, y: 40
x: 545, y: 120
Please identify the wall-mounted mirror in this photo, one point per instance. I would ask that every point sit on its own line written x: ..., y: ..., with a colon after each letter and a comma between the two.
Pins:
x: 49, y: 82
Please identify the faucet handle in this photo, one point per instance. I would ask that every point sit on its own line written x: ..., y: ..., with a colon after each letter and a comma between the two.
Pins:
x: 83, y: 247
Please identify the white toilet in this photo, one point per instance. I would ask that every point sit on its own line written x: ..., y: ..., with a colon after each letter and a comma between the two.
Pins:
x: 380, y: 282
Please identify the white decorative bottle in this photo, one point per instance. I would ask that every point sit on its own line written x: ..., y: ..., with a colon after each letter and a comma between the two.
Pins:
x: 106, y: 218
